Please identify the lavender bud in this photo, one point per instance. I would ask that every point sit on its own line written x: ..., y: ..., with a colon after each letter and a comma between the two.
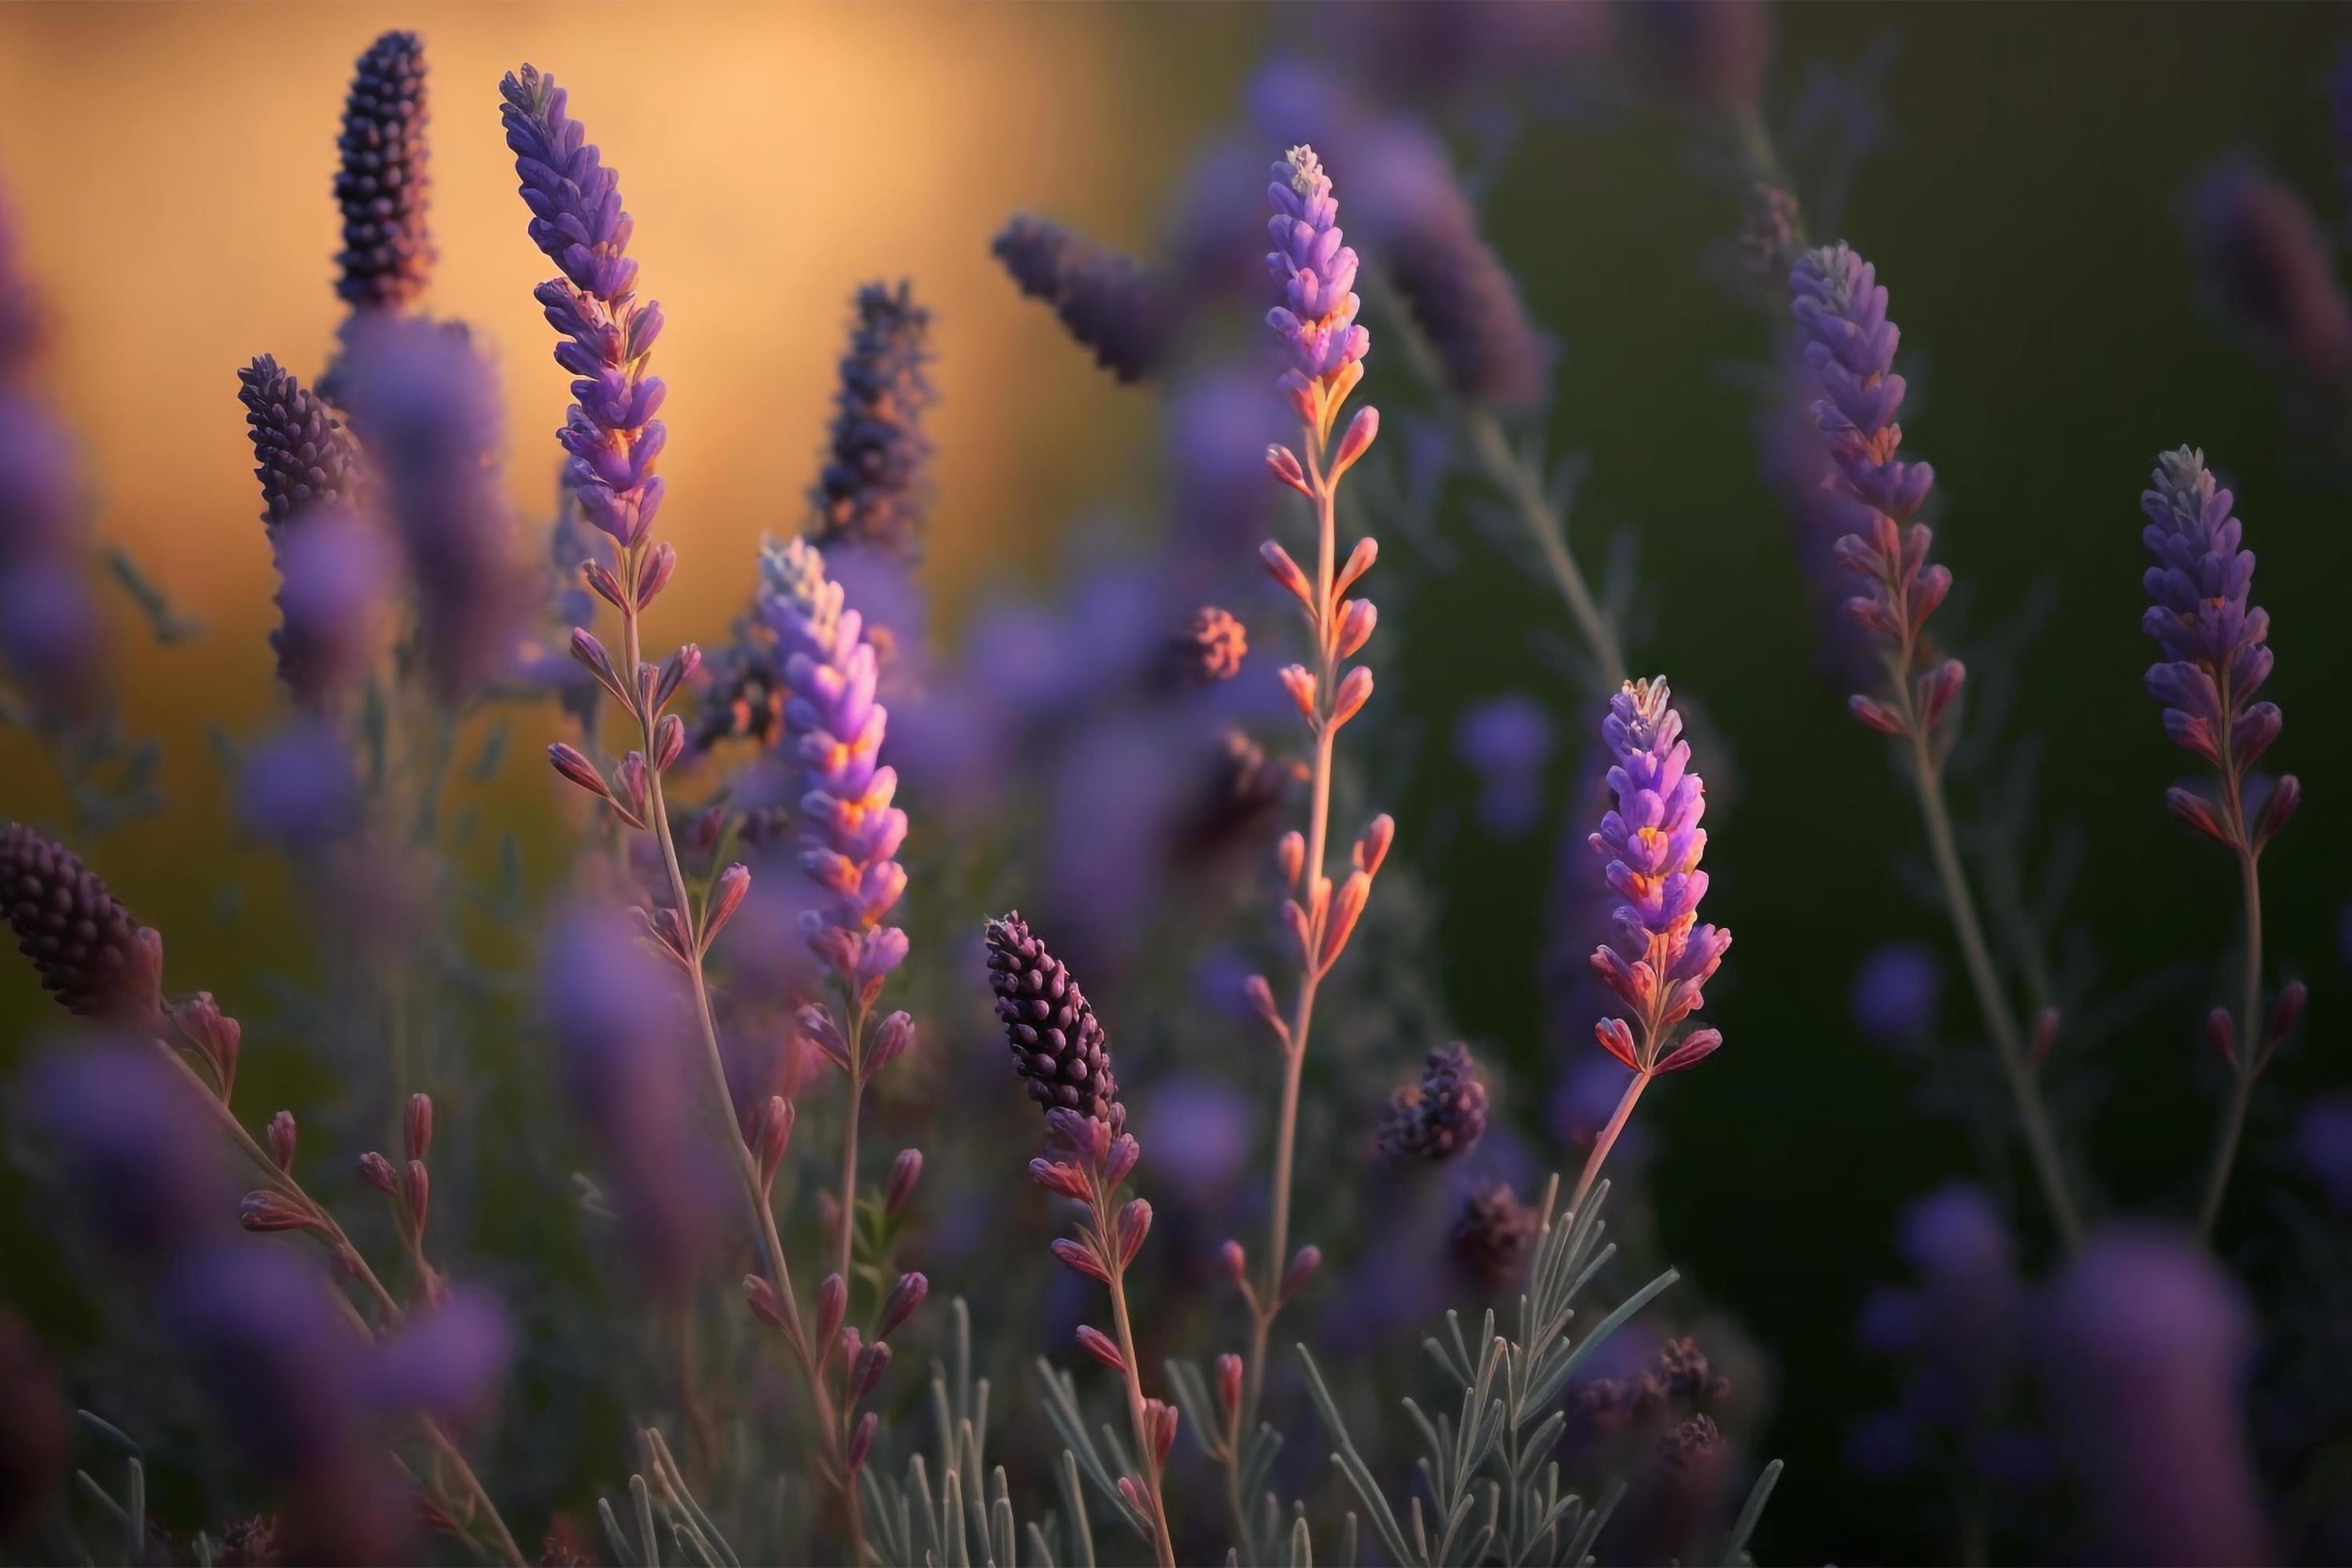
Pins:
x: 871, y: 490
x: 282, y: 1137
x: 892, y: 1041
x: 268, y: 1211
x: 591, y: 653
x: 898, y: 1189
x: 1303, y: 1265
x: 1097, y: 1344
x: 761, y: 1298
x: 866, y: 1370
x: 417, y: 1191
x: 377, y: 1172
x: 656, y: 574
x: 1236, y: 1262
x: 213, y: 1033
x: 382, y: 185
x: 861, y: 1442
x: 676, y: 672
x: 734, y: 884
x: 1134, y: 1225
x: 573, y: 764
x: 670, y: 741
x: 904, y: 1296
x: 1108, y: 301
x: 1229, y: 1384
x: 83, y: 944
x: 832, y: 1304
x: 1441, y: 1117
x: 1058, y: 1045
x: 773, y: 1137
x: 418, y: 1126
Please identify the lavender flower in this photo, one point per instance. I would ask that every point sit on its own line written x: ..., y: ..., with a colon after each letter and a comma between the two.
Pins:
x: 298, y: 787
x: 334, y: 579
x: 1841, y: 311
x: 1057, y: 1042
x: 1506, y: 742
x: 1494, y: 1234
x: 1896, y: 992
x: 2267, y: 269
x: 1212, y: 646
x: 850, y: 831
x: 1108, y: 301
x: 133, y: 1149
x: 310, y: 473
x: 1652, y: 842
x: 1441, y: 1116
x: 382, y: 183
x: 871, y: 491
x: 2213, y: 638
x: 302, y: 457
x: 577, y: 219
x: 1317, y: 271
x: 50, y: 634
x: 89, y: 952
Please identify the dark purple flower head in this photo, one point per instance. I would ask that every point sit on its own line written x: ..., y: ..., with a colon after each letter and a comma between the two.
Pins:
x: 2147, y: 1344
x: 1896, y: 992
x: 2268, y: 270
x: 302, y: 456
x: 1057, y: 1042
x: 89, y: 952
x: 1494, y: 1234
x: 577, y: 219
x: 871, y: 491
x: 381, y: 184
x: 310, y: 473
x: 135, y: 1149
x: 1441, y: 1116
x: 1661, y: 958
x: 446, y: 1363
x: 1109, y: 302
x: 1507, y: 742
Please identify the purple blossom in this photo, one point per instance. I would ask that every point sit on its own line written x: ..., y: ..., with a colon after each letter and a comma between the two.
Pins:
x: 1661, y: 958
x: 2267, y: 269
x: 871, y: 491
x: 1316, y: 272
x: 1201, y: 1133
x: 2147, y: 1344
x: 334, y: 579
x: 577, y: 219
x: 1441, y: 1116
x: 447, y: 1363
x: 1849, y: 344
x: 1506, y: 742
x: 50, y: 635
x: 298, y: 787
x: 2213, y: 639
x: 833, y: 730
x: 1895, y: 994
x: 382, y: 182
x: 2322, y: 1147
x: 135, y: 1149
x: 1058, y: 1046
x: 1108, y: 301
x: 90, y: 955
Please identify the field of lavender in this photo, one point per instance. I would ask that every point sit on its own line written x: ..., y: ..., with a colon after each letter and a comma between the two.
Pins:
x: 1122, y: 967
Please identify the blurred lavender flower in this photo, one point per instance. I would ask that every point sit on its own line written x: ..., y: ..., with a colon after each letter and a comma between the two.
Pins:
x: 20, y: 320
x: 1109, y: 302
x: 134, y: 1149
x: 2267, y: 269
x: 1057, y: 1042
x: 1958, y: 1332
x: 871, y: 490
x: 2147, y: 1345
x: 1441, y: 1116
x: 1200, y: 1133
x: 382, y: 183
x: 424, y: 399
x: 1475, y: 49
x: 2322, y: 1147
x: 1494, y: 1234
x: 1896, y: 992
x: 1587, y: 1098
x: 298, y: 787
x: 1215, y: 430
x: 1507, y: 742
x: 50, y: 634
x: 87, y: 950
x: 446, y: 1363
x: 330, y: 573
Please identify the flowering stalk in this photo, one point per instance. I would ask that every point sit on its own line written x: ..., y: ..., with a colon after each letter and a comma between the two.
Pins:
x: 1661, y: 958
x: 2215, y: 661
x: 1841, y: 311
x: 1058, y: 1048
x: 1318, y: 322
x: 101, y: 964
x: 613, y: 438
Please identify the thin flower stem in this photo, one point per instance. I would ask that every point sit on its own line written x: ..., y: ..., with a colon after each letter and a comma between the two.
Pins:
x: 1992, y: 1002
x: 849, y: 1144
x: 472, y: 1485
x: 1146, y: 1452
x: 1607, y: 1141
x: 2247, y: 1059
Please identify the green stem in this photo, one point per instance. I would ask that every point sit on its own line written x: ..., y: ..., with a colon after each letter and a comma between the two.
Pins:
x: 2247, y: 1059
x: 1146, y: 1455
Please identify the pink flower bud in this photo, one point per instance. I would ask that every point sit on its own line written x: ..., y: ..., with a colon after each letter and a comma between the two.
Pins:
x: 1938, y: 689
x: 1290, y: 857
x: 892, y: 1041
x: 1081, y: 1259
x: 1373, y: 847
x: 1060, y: 1176
x: 1303, y: 1265
x: 417, y: 1126
x: 726, y: 896
x: 676, y: 672
x: 1691, y: 1050
x: 377, y: 1172
x: 1355, y: 690
x: 654, y: 573
x: 1283, y: 463
x: 831, y: 1303
x: 1229, y: 1384
x: 866, y: 1370
x: 1617, y: 1040
x: 861, y: 1442
x: 1097, y: 1344
x: 906, y: 1295
x: 1360, y: 561
x: 213, y: 1033
x: 1358, y: 440
x: 1876, y: 715
x: 1285, y: 571
x: 1300, y: 681
x: 608, y: 588
x: 591, y: 653
x: 774, y: 1136
x: 1134, y: 1225
x: 1260, y: 993
x: 573, y: 765
x: 266, y: 1211
x: 2277, y: 807
x: 762, y: 1296
x: 631, y: 776
x: 817, y: 1028
x: 1236, y: 1261
x: 1159, y: 1419
x: 1357, y: 618
x: 282, y: 1139
x: 1353, y: 892
x: 669, y: 740
x: 899, y: 1188
x: 417, y: 1191
x: 1120, y: 1158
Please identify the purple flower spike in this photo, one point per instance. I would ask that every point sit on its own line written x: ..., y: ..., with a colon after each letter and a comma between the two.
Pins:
x: 1108, y: 301
x: 2213, y: 637
x: 329, y: 589
x: 1660, y: 957
x: 871, y: 492
x: 1850, y: 345
x: 577, y: 219
x: 380, y: 184
x: 832, y: 731
x: 1316, y: 272
x: 90, y: 953
x: 1057, y: 1042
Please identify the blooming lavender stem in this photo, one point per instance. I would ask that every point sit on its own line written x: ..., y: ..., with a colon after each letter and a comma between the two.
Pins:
x: 1108, y: 301
x: 871, y: 490
x: 381, y: 184
x: 1840, y: 310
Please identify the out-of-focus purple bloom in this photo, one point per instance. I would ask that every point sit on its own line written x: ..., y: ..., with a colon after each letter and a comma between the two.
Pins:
x: 2323, y: 1147
x: 1493, y: 1235
x: 1506, y: 742
x: 617, y: 1020
x: 1216, y: 423
x: 2267, y: 268
x: 1849, y: 344
x: 1201, y: 1131
x: 2147, y: 1346
x: 50, y: 629
x: 871, y: 490
x: 1316, y: 270
x: 2216, y: 659
x: 446, y: 1363
x: 1109, y: 302
x: 334, y: 574
x: 833, y: 731
x: 36, y: 1438
x: 298, y: 787
x: 1589, y: 1094
x: 1794, y: 456
x: 424, y: 400
x: 1468, y: 48
x: 136, y: 1149
x: 1710, y: 53
x: 1895, y: 994
x: 577, y: 219
x: 96, y: 960
x: 1212, y: 647
x: 382, y: 183
x: 1661, y: 959
x: 1441, y: 1116
x: 20, y: 318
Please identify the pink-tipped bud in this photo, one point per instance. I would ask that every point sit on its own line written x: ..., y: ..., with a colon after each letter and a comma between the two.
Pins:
x: 761, y: 1298
x: 848, y: 1343
x: 1300, y: 681
x: 2192, y: 808
x: 906, y: 1295
x: 1081, y: 1259
x: 774, y: 1136
x: 1360, y: 561
x: 1303, y: 1265
x: 608, y: 588
x: 1134, y: 1225
x: 894, y: 1039
x: 1373, y: 847
x: 1259, y: 992
x: 1876, y: 715
x: 1236, y: 1261
x: 1118, y: 1162
x: 2045, y: 1037
x: 669, y: 927
x: 1357, y: 618
x: 726, y: 896
x: 213, y: 1033
x: 1061, y: 1178
x: 1355, y: 690
x: 265, y: 1211
x: 1283, y: 463
x: 648, y: 677
x: 2279, y: 806
x: 377, y: 1172
x: 832, y: 1304
x: 591, y: 653
x: 2221, y: 1036
x: 417, y: 1126
x: 816, y: 1027
x: 1285, y: 571
x: 676, y: 672
x: 1616, y: 1039
x: 282, y: 1137
x: 1229, y: 1384
x: 2285, y: 1011
x: 899, y: 1188
x: 417, y: 1191
x: 1097, y: 1344
x: 1294, y: 919
x: 1345, y: 913
x: 1361, y: 429
x: 635, y: 786
x: 861, y: 1442
x: 1290, y: 857
x: 654, y: 575
x: 1159, y: 1420
x: 1938, y: 689
x: 866, y: 1370
x: 575, y: 765
x: 669, y: 740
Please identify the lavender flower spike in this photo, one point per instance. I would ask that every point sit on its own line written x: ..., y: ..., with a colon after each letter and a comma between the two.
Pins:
x: 577, y: 219
x: 1107, y: 300
x: 1057, y: 1042
x: 871, y: 491
x: 90, y: 953
x: 1318, y: 274
x: 834, y: 728
x: 380, y: 184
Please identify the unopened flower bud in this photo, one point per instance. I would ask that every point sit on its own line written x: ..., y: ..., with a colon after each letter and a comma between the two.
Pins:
x: 1134, y: 1225
x: 1290, y: 857
x: 1283, y: 464
x: 268, y: 1211
x: 417, y: 1191
x: 282, y: 1137
x: 2285, y: 1011
x: 1357, y: 618
x: 726, y: 896
x: 1159, y: 1418
x: 1285, y: 571
x: 906, y: 1295
x: 1373, y: 847
x: 774, y: 1135
x: 861, y: 1442
x: 1365, y: 426
x: 377, y: 1172
x: 575, y: 765
x: 675, y: 670
x: 670, y: 741
x: 1236, y: 1262
x: 1355, y: 690
x: 761, y: 1296
x: 899, y: 1188
x: 417, y: 1125
x: 866, y: 1370
x: 831, y: 1303
x: 1097, y: 1344
x: 1303, y: 1265
x: 1229, y: 1384
x: 890, y: 1042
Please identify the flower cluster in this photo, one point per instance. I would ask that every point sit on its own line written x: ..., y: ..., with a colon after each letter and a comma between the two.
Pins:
x: 1441, y: 1116
x: 1057, y: 1042
x: 1212, y: 647
x: 89, y: 952
x: 1661, y: 958
x: 871, y: 489
x: 2216, y: 654
x: 1106, y: 301
x: 381, y: 184
x: 1841, y: 309
x: 1316, y: 270
x: 832, y: 733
